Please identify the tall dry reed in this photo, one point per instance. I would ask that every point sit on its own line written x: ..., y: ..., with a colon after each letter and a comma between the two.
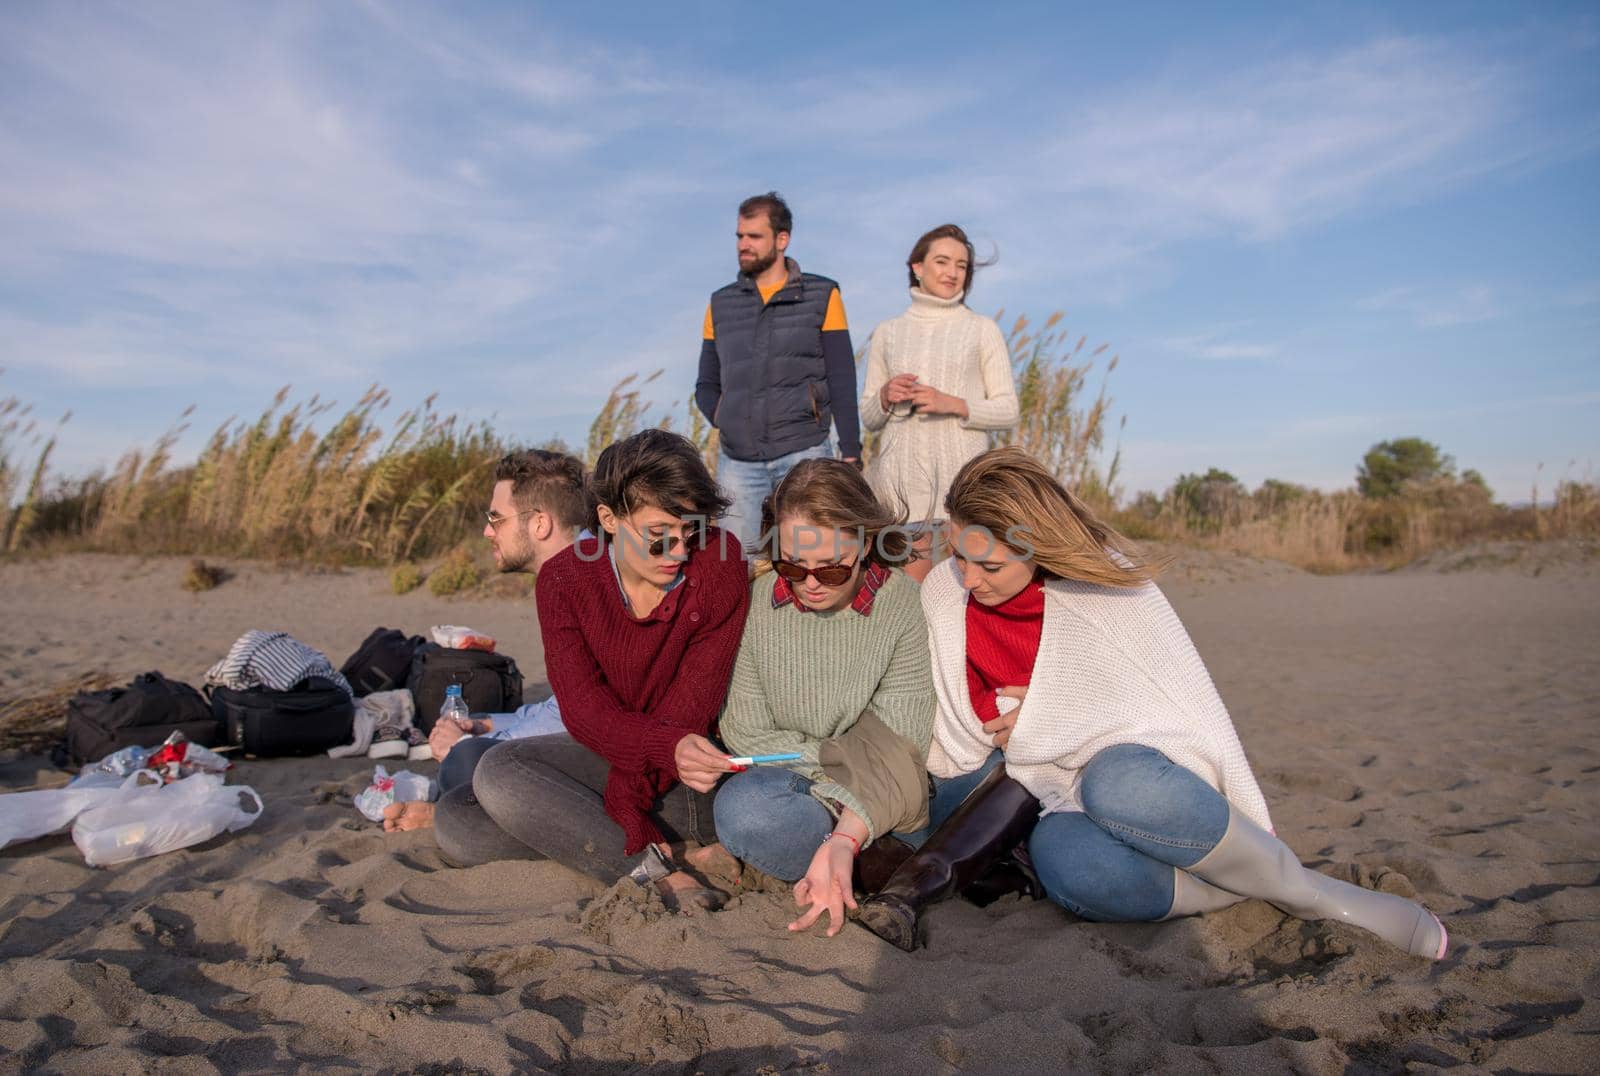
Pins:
x: 1059, y: 425
x: 276, y: 486
x: 361, y: 491
x: 18, y: 427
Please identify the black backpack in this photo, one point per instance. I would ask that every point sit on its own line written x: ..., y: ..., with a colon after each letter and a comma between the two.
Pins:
x: 316, y: 715
x: 490, y: 683
x: 382, y: 662
x: 140, y: 715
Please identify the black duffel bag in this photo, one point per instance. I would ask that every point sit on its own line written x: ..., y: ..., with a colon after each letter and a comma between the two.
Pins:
x: 316, y: 715
x: 490, y: 683
x: 382, y: 662
x: 142, y: 714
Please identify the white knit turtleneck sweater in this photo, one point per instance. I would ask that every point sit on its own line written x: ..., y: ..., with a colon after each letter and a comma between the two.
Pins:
x: 959, y: 353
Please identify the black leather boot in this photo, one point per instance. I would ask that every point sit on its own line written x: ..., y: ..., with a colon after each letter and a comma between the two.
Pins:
x: 878, y: 861
x: 993, y: 819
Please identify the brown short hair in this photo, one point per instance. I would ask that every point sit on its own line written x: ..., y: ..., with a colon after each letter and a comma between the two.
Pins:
x: 545, y: 481
x: 833, y: 494
x: 946, y: 231
x: 1023, y: 506
x: 773, y: 205
x: 659, y: 468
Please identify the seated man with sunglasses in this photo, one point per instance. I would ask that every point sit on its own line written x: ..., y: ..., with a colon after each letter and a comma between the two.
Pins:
x: 835, y: 655
x: 640, y: 626
x: 538, y: 507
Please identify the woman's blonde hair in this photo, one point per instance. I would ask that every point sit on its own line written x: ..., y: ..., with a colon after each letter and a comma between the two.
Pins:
x: 833, y: 494
x: 1024, y: 507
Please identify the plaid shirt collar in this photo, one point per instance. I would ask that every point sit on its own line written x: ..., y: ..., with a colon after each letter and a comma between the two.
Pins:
x: 873, y: 578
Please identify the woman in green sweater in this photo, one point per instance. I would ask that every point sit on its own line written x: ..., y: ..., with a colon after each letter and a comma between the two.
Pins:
x: 834, y: 668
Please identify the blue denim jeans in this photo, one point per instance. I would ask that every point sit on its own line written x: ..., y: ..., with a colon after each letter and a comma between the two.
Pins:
x: 750, y: 482
x: 1143, y: 817
x: 767, y: 817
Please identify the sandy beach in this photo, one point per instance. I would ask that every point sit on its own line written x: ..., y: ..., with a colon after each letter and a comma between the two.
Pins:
x: 1431, y: 732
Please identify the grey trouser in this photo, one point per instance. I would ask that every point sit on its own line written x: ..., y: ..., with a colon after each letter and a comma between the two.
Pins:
x: 541, y: 797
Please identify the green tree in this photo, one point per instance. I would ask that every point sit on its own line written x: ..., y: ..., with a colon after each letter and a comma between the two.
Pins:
x: 1274, y: 493
x: 1390, y: 467
x: 1206, y: 498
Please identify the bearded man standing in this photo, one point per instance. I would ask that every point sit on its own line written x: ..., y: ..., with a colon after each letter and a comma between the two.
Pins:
x: 776, y: 367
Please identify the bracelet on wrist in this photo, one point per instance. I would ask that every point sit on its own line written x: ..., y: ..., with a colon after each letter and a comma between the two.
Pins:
x: 855, y: 844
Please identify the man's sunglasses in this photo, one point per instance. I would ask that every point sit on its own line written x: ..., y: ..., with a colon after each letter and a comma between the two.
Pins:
x: 829, y: 575
x: 495, y: 521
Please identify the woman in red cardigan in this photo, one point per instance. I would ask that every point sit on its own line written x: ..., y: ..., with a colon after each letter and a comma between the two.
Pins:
x: 640, y: 630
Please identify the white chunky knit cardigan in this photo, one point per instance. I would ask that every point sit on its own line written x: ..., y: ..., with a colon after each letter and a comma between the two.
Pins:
x: 1114, y: 666
x: 957, y: 352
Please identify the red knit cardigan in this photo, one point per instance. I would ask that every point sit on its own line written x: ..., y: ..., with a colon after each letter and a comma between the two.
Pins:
x: 630, y: 689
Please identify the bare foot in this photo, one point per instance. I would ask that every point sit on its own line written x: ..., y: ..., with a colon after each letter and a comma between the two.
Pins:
x: 716, y: 861
x: 413, y: 814
x: 683, y: 892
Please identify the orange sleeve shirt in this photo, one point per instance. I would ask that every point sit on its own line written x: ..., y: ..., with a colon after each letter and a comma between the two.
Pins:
x: 832, y: 321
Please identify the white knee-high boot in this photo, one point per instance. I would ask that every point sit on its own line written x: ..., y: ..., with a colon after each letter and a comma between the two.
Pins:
x: 1252, y: 862
x: 1191, y: 896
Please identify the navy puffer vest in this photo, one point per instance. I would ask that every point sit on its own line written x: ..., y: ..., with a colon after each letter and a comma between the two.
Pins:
x: 774, y: 387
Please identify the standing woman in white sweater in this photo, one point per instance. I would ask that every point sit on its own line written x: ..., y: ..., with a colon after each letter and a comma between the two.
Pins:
x: 1056, y: 657
x: 938, y: 382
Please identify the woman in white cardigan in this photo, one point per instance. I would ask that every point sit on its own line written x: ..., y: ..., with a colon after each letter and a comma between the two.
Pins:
x: 1055, y: 656
x: 938, y: 382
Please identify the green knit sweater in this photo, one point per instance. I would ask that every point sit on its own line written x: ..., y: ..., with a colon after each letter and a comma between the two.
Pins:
x: 805, y: 677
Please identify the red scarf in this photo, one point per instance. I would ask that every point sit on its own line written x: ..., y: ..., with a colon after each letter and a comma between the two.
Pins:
x: 1002, y: 644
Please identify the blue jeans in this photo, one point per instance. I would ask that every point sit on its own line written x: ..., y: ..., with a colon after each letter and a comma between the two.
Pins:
x: 1143, y: 817
x: 750, y: 482
x: 767, y: 817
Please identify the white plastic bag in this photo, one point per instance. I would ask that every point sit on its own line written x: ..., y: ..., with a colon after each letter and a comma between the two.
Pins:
x: 456, y: 637
x: 385, y: 789
x: 164, y: 819
x: 27, y: 816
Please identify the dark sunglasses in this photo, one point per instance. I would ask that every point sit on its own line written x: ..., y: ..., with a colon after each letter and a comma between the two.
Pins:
x: 655, y: 547
x: 829, y: 575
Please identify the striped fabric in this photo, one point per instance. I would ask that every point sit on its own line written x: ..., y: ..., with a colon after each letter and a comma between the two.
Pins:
x: 272, y: 659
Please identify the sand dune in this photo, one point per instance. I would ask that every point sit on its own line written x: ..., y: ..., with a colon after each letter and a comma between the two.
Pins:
x: 1429, y: 732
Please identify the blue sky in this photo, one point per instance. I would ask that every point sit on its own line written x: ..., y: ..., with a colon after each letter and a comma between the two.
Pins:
x: 1304, y: 229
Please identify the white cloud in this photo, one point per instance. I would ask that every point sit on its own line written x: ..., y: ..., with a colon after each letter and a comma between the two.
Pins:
x: 1273, y: 148
x: 1438, y: 308
x: 1220, y: 346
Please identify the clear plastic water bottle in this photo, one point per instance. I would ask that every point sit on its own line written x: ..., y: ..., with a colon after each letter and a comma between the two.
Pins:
x: 454, y: 704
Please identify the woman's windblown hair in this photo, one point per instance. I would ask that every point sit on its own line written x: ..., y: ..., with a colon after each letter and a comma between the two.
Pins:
x: 1023, y: 506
